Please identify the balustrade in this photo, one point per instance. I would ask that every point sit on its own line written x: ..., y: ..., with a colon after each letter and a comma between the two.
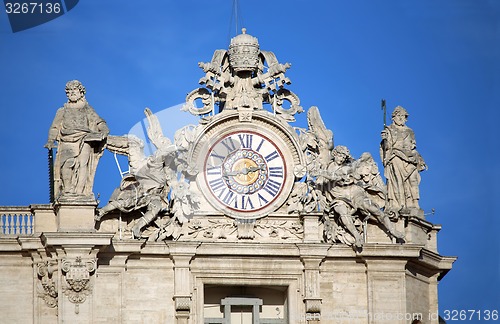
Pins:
x: 16, y: 221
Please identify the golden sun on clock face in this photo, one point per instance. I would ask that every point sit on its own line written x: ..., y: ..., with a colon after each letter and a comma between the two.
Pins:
x: 244, y: 172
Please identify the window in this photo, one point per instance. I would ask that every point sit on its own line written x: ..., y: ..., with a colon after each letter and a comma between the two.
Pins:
x: 245, y: 305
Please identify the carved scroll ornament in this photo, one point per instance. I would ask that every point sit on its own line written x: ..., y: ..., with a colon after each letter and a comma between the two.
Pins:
x: 77, y: 275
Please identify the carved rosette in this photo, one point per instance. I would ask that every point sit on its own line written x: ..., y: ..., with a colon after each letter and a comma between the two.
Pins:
x: 77, y: 275
x: 47, y: 288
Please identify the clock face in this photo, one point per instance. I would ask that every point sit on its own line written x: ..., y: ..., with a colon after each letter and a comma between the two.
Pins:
x: 244, y: 173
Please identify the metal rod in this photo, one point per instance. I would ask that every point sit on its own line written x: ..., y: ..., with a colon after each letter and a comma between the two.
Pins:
x: 51, y: 174
x: 384, y: 108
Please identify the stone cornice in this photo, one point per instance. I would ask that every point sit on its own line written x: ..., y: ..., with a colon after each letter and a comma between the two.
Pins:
x: 30, y: 243
x: 76, y: 239
x: 248, y: 249
x: 436, y: 261
x: 9, y: 244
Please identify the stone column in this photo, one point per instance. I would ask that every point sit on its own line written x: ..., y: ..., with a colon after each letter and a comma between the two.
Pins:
x: 311, y: 256
x: 45, y: 292
x: 182, y: 253
x: 76, y: 255
x: 386, y: 290
x: 108, y: 297
x: 433, y: 317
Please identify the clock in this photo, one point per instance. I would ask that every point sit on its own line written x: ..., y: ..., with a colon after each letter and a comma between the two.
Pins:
x: 244, y: 173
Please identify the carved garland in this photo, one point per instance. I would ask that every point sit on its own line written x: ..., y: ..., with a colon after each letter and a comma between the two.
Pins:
x: 245, y: 229
x: 47, y: 288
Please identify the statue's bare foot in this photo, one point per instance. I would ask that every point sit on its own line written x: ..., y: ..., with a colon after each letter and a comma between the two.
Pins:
x: 98, y: 215
x: 136, y: 230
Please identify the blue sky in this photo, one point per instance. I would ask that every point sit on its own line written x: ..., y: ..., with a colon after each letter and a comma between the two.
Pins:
x: 438, y: 59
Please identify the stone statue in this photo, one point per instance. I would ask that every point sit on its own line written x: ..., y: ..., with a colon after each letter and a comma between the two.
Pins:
x: 402, y: 163
x: 317, y: 144
x: 147, y: 186
x: 152, y: 178
x: 302, y: 198
x: 368, y: 177
x: 238, y: 79
x: 351, y: 201
x: 81, y: 136
x: 348, y: 191
x: 340, y: 156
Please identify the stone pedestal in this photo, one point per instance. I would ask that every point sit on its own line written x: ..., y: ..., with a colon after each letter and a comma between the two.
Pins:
x: 311, y: 228
x: 46, y: 220
x: 420, y: 231
x: 75, y: 215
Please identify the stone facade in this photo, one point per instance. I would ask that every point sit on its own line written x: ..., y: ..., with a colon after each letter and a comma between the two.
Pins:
x: 184, y: 281
x: 240, y: 219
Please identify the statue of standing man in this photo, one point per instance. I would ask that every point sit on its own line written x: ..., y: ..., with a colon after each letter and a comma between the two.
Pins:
x: 402, y: 163
x: 81, y: 136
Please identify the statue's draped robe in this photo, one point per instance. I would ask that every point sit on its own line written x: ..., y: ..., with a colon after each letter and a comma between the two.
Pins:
x: 402, y: 167
x: 80, y: 133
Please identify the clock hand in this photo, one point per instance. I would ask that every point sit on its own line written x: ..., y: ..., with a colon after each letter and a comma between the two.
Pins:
x: 243, y: 171
x: 230, y: 174
x: 257, y: 168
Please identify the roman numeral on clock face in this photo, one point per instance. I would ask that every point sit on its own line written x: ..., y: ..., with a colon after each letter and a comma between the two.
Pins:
x: 271, y: 156
x: 214, y: 170
x: 228, y: 143
x: 246, y: 202
x: 276, y: 172
x: 228, y: 197
x: 231, y: 198
x: 219, y: 157
x: 216, y: 184
x: 246, y: 140
x: 272, y: 187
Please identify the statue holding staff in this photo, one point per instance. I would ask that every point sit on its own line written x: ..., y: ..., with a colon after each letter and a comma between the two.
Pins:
x: 80, y: 135
x: 402, y: 163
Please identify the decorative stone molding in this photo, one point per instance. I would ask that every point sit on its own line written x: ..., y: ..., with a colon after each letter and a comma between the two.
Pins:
x: 77, y: 275
x: 280, y: 229
x: 182, y: 255
x: 245, y: 115
x: 242, y: 229
x: 245, y: 228
x: 182, y: 303
x: 313, y: 305
x: 47, y: 287
x: 244, y: 78
x: 311, y: 256
x: 313, y: 318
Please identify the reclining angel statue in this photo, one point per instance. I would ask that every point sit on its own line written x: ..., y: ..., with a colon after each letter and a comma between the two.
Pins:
x: 350, y: 191
x: 151, y: 178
